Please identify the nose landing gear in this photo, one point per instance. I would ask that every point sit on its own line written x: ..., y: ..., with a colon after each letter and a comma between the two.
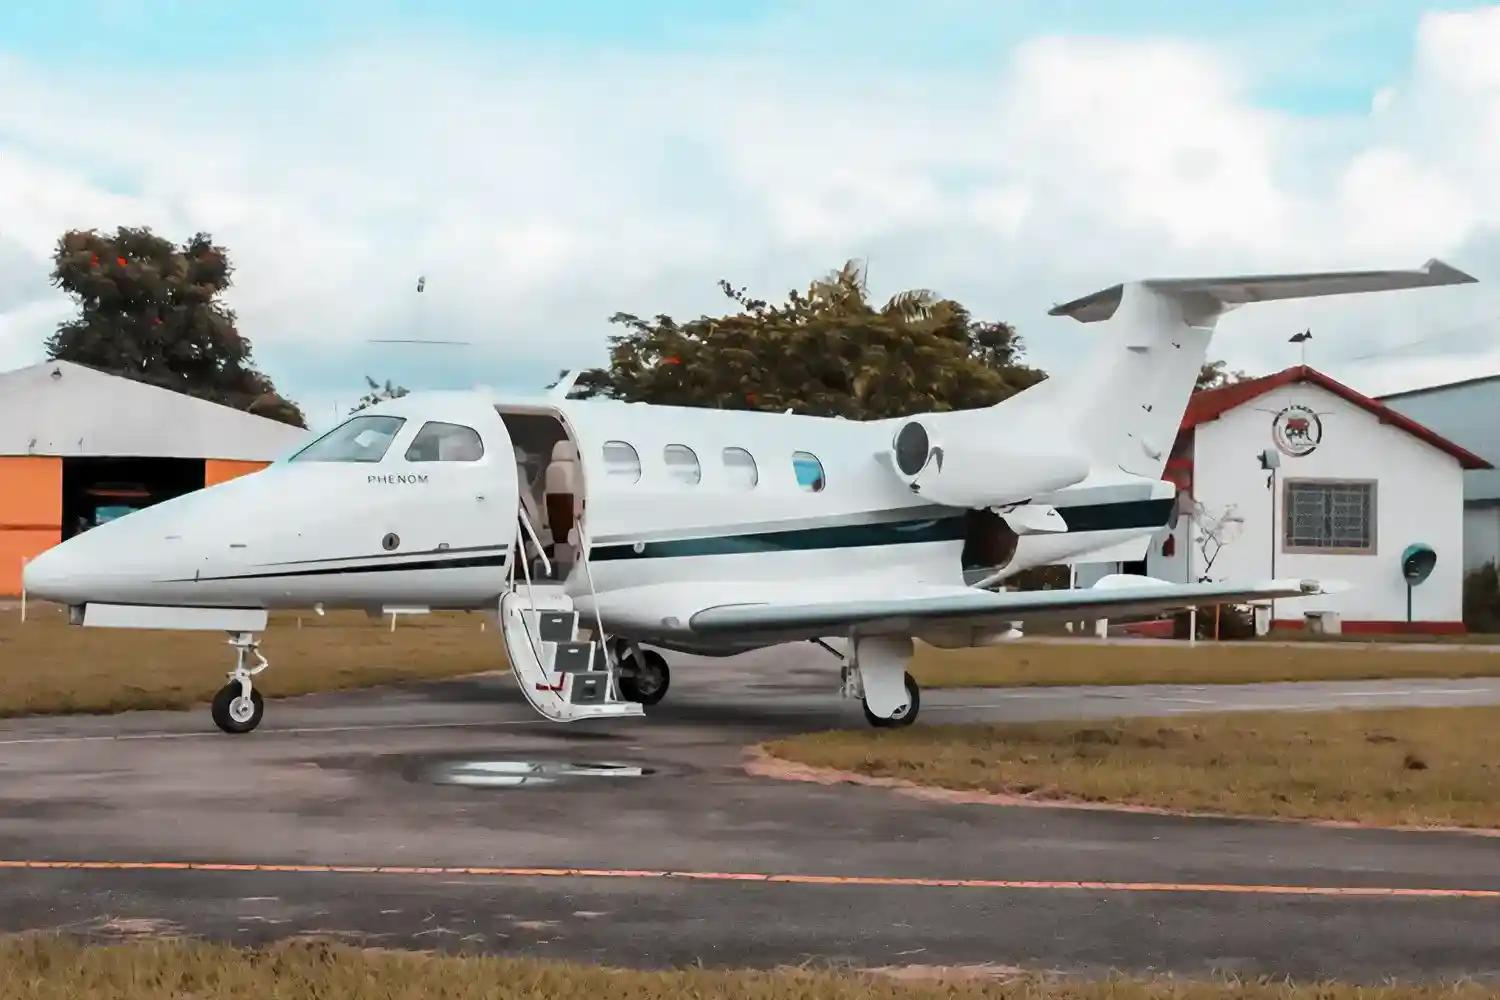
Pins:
x: 238, y: 707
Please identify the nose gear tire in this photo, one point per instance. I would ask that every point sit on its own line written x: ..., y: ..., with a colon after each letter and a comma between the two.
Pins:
x: 233, y: 713
x: 903, y: 717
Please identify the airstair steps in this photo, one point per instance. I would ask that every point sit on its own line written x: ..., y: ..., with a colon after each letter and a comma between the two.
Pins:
x: 564, y: 678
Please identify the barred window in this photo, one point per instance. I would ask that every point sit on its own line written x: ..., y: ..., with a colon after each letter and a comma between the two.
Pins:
x: 1326, y: 515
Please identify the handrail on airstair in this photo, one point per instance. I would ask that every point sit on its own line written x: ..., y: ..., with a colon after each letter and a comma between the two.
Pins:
x: 536, y: 542
x: 583, y: 554
x: 526, y: 569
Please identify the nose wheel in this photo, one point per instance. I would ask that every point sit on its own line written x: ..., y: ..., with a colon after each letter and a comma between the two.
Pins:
x: 238, y: 707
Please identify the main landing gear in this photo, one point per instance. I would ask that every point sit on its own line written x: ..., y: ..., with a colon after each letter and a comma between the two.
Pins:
x: 644, y: 675
x: 903, y: 716
x: 238, y: 707
x: 875, y: 672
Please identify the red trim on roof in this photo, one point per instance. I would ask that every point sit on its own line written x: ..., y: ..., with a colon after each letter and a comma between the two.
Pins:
x: 1210, y: 404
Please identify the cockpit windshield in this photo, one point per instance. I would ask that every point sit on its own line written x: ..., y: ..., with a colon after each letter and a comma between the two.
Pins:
x: 359, y: 439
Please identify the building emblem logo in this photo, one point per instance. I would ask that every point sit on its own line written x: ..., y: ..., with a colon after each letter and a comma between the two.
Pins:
x: 1297, y: 431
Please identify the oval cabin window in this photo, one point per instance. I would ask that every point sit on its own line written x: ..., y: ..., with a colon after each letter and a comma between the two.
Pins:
x: 621, y: 462
x: 739, y: 469
x: 682, y: 464
x: 809, y: 471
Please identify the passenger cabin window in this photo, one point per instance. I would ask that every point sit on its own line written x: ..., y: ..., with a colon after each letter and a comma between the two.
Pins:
x: 358, y: 439
x: 621, y: 462
x: 682, y: 464
x: 809, y: 471
x: 440, y: 442
x: 739, y: 469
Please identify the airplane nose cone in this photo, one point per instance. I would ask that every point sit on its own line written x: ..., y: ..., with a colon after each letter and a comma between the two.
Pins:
x: 54, y: 576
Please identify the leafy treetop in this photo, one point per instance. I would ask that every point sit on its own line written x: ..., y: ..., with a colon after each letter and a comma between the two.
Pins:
x: 827, y: 351
x: 378, y: 393
x: 149, y: 310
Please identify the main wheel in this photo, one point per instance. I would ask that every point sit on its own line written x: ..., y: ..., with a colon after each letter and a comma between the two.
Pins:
x: 233, y: 712
x: 647, y: 680
x: 904, y: 716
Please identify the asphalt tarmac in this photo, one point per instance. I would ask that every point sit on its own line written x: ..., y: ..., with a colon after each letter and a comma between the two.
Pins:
x: 447, y: 816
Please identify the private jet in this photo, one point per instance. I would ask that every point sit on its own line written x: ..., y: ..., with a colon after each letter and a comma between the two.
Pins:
x: 601, y: 532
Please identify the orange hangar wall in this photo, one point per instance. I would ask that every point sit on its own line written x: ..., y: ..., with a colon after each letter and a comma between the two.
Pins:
x: 220, y: 470
x: 30, y: 512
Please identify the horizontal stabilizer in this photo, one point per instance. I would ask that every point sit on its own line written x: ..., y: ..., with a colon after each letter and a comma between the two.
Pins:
x: 1229, y: 292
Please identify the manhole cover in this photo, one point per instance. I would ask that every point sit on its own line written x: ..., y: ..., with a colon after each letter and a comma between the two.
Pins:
x: 528, y: 773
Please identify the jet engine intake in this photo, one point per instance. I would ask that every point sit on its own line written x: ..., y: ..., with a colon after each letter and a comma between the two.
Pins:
x: 970, y: 472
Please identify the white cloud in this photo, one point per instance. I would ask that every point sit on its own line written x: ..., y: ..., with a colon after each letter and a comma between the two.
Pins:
x: 540, y: 194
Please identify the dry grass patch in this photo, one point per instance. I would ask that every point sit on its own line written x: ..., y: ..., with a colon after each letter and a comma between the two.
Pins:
x: 1031, y: 664
x: 48, y: 666
x: 1407, y: 767
x: 47, y: 968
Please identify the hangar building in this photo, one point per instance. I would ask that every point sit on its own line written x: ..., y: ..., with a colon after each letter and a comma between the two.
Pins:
x: 1356, y: 484
x: 1469, y: 413
x: 79, y: 447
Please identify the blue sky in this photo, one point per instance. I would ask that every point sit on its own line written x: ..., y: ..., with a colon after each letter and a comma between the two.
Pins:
x: 1338, y: 52
x: 547, y: 164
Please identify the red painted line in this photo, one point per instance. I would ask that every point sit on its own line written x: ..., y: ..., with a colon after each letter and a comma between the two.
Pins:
x: 891, y: 881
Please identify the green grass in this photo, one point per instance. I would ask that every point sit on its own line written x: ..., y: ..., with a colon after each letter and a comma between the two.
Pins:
x: 1073, y: 662
x: 1418, y: 767
x: 48, y: 666
x: 52, y: 968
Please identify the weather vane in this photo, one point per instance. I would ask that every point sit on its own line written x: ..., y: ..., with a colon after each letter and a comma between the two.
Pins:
x: 1302, y: 339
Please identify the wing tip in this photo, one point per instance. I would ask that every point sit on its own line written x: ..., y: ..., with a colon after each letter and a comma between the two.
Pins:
x: 1447, y: 274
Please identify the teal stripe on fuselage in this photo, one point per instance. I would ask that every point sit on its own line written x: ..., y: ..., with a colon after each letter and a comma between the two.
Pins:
x: 949, y: 528
x: 836, y: 536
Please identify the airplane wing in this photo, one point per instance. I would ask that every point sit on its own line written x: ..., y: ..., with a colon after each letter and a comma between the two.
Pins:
x: 1113, y: 596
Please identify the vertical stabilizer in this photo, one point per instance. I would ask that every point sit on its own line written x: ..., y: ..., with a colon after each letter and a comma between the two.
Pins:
x: 1124, y: 403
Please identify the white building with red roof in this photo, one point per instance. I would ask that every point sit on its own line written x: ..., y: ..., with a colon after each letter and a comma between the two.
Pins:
x: 1353, y: 487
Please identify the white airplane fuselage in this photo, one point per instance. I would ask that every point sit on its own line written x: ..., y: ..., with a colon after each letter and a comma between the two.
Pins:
x: 441, y: 534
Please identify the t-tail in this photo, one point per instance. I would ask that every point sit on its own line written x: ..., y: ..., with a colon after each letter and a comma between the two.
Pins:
x: 1123, y: 405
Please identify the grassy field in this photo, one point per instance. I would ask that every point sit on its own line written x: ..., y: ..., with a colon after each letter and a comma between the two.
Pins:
x: 1026, y: 664
x: 47, y: 968
x: 47, y: 666
x: 1418, y: 767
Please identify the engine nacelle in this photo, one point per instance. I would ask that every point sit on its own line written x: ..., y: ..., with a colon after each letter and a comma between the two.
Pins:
x: 970, y: 472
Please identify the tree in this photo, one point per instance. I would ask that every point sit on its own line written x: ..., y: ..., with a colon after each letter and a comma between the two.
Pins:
x: 826, y: 351
x: 1212, y: 375
x: 149, y: 310
x: 379, y: 393
x: 1216, y: 529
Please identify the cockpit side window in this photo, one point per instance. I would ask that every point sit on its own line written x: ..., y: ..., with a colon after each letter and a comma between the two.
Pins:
x: 440, y: 442
x: 358, y: 439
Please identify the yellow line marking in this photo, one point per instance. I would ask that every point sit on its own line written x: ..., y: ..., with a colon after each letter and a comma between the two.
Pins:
x: 892, y: 881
